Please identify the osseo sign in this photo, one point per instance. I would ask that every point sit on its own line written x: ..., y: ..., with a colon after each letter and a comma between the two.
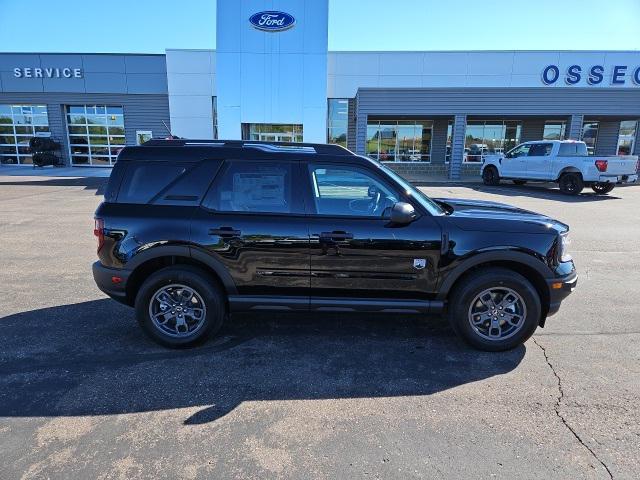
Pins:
x: 272, y: 21
x: 593, y: 75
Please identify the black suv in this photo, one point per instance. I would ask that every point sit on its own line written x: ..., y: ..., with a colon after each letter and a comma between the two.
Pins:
x: 190, y: 231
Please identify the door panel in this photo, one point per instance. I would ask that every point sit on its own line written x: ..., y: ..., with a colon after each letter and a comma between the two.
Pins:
x: 355, y: 249
x: 368, y: 257
x: 513, y: 163
x: 539, y: 162
x: 253, y: 221
x: 265, y: 254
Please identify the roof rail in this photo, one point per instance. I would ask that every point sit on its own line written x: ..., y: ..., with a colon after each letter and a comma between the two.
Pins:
x: 290, y: 147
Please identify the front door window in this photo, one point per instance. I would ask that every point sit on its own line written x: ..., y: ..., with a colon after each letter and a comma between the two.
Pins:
x: 350, y: 191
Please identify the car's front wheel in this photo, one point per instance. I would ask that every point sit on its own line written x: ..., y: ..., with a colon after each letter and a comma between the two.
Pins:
x: 180, y: 306
x: 602, y: 188
x: 490, y: 176
x: 494, y: 309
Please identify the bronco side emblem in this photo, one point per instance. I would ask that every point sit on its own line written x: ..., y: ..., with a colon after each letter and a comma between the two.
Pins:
x: 419, y: 263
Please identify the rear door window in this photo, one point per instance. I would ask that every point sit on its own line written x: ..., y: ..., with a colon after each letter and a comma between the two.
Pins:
x: 254, y: 187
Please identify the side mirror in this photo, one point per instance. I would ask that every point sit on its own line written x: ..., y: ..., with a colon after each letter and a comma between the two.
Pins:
x: 402, y: 213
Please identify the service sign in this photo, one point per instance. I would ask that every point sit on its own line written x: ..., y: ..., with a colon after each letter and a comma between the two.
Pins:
x: 38, y: 72
x: 272, y: 21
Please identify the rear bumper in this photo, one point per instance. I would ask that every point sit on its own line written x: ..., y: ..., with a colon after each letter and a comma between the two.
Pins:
x: 559, y: 289
x: 112, y: 281
x: 618, y: 178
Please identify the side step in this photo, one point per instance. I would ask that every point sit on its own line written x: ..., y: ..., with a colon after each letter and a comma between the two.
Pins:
x: 244, y: 303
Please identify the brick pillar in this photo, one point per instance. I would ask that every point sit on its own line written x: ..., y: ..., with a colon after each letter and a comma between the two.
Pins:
x: 457, y: 146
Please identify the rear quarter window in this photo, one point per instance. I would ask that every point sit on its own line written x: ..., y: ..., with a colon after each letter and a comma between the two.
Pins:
x: 572, y: 149
x: 144, y: 181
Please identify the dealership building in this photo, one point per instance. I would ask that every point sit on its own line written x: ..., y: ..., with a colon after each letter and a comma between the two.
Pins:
x: 272, y: 78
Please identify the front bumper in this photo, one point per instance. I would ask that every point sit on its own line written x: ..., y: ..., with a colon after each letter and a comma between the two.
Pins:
x: 112, y: 281
x: 559, y: 289
x: 618, y: 179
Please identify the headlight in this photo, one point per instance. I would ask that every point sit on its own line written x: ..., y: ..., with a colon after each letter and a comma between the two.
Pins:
x: 564, y: 248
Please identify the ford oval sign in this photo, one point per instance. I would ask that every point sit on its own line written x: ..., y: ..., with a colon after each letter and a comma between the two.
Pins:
x: 272, y: 21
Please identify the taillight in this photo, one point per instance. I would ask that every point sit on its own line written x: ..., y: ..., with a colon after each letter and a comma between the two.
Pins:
x: 98, y: 231
x: 601, y: 165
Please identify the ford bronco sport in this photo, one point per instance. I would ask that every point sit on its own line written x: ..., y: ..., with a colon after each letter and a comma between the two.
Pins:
x: 190, y: 231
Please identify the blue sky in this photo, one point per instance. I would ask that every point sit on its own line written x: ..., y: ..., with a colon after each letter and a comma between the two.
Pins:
x: 150, y: 26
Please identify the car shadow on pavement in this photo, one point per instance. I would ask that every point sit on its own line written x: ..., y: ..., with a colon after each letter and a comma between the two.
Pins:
x: 545, y: 192
x: 90, y: 183
x: 92, y: 359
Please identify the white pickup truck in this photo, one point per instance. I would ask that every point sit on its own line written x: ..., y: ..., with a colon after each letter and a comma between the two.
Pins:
x: 563, y: 161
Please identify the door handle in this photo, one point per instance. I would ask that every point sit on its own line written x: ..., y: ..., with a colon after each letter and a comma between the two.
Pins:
x: 225, y: 232
x: 336, y: 235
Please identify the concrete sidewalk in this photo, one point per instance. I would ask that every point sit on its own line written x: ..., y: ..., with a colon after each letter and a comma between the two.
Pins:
x: 77, y: 172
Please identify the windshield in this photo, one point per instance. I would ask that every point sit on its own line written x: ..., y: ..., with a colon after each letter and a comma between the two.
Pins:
x: 432, y: 207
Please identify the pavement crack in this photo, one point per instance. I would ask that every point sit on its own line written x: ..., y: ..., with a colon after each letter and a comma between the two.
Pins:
x: 559, y: 414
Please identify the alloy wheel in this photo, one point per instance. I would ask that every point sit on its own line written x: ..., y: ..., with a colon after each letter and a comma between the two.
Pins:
x: 497, y: 313
x: 177, y: 310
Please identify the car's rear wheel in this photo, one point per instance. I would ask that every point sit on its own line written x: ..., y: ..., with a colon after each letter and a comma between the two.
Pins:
x: 519, y: 182
x: 180, y: 306
x: 571, y: 183
x: 490, y: 176
x: 602, y: 188
x: 494, y: 309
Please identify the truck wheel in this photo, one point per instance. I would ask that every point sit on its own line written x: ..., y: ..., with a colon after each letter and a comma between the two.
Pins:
x: 602, y: 188
x: 494, y: 309
x: 490, y: 176
x: 571, y: 183
x: 519, y: 182
x: 180, y: 306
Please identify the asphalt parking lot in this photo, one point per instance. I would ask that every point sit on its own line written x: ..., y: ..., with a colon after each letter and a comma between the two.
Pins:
x: 83, y: 394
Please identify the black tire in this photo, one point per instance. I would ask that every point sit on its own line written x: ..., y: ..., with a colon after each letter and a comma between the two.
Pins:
x: 519, y: 182
x: 490, y: 176
x: 602, y: 188
x: 197, y: 280
x: 571, y: 183
x: 462, y: 299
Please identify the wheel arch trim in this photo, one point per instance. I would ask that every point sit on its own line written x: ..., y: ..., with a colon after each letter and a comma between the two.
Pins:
x: 186, y: 251
x: 488, y: 257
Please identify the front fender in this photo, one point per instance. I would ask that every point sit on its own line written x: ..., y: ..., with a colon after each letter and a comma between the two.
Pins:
x: 504, y: 254
x: 495, y: 162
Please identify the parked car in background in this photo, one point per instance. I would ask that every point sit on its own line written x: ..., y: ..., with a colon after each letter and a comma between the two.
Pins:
x: 566, y: 162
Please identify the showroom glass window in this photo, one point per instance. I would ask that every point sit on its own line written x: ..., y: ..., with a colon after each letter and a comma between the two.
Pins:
x: 554, y: 130
x: 399, y: 140
x: 18, y: 123
x: 272, y: 132
x: 96, y: 134
x: 337, y: 120
x: 590, y: 136
x: 489, y: 137
x: 627, y: 137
